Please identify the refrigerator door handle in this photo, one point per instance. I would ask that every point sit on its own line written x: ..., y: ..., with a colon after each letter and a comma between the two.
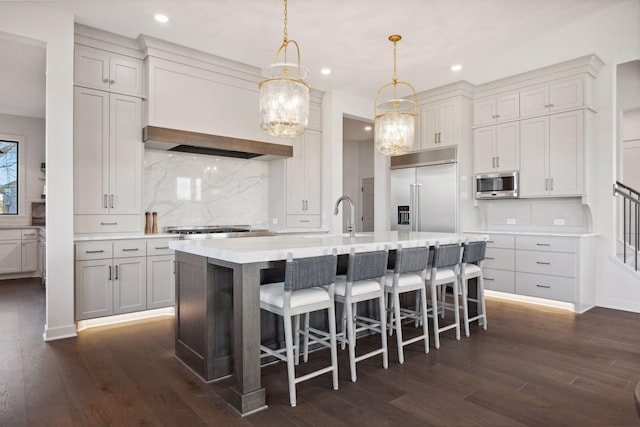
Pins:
x: 415, y: 209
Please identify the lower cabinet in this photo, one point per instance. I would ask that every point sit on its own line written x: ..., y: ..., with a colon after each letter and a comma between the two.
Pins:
x: 122, y: 276
x: 18, y: 250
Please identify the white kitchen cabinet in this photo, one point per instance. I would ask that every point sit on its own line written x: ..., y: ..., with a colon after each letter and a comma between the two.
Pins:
x: 94, y: 288
x: 108, y: 154
x: 496, y: 109
x: 496, y: 148
x: 160, y: 274
x: 499, y: 264
x: 439, y: 124
x: 99, y: 69
x: 303, y: 177
x: 29, y: 258
x: 553, y: 147
x: 10, y: 251
x: 558, y: 96
x: 129, y: 284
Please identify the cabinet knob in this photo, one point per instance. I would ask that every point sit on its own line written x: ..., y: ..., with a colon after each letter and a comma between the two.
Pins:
x: 105, y: 80
x: 497, y: 116
x: 112, y: 81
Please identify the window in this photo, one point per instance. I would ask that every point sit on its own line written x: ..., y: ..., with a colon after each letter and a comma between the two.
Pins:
x: 8, y: 177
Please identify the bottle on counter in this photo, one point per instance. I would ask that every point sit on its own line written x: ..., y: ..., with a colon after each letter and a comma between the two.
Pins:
x: 147, y: 222
x: 154, y: 227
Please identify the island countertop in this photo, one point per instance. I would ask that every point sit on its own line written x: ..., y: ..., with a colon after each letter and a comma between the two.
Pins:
x: 272, y: 248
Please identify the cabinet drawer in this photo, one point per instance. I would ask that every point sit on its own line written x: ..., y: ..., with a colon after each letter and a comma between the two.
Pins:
x: 159, y: 247
x: 501, y: 241
x: 552, y: 263
x: 107, y: 223
x: 93, y: 250
x: 11, y: 234
x: 547, y: 243
x: 550, y: 287
x: 502, y: 259
x: 129, y: 248
x: 29, y: 234
x: 499, y: 280
x: 303, y: 221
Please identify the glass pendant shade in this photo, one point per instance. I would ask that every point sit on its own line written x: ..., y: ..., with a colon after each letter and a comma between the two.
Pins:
x: 284, y: 97
x: 284, y: 107
x: 395, y: 118
x: 394, y: 133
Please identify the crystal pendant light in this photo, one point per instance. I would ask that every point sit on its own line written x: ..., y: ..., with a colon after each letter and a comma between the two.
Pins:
x: 395, y: 118
x: 284, y: 97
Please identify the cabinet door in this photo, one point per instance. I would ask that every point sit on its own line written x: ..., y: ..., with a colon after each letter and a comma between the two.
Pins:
x: 312, y: 172
x: 508, y: 107
x: 534, y: 101
x: 126, y: 150
x: 129, y: 284
x: 295, y: 178
x: 90, y: 151
x: 534, y: 146
x: 484, y: 156
x: 448, y: 122
x: 566, y: 154
x: 29, y: 255
x: 94, y: 288
x: 126, y: 75
x: 484, y: 111
x: 91, y: 68
x: 429, y: 126
x: 508, y: 146
x: 10, y: 256
x: 160, y: 281
x: 565, y: 95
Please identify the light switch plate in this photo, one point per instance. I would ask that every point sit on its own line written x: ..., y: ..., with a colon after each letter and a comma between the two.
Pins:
x: 511, y: 221
x: 558, y: 221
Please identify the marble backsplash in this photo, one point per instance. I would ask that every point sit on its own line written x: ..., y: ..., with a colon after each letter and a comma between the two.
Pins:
x: 193, y: 189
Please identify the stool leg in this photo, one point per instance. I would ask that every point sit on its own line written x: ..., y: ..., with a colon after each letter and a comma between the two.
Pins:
x: 482, y: 303
x: 351, y: 338
x: 306, y: 337
x: 398, y: 324
x: 434, y: 311
x: 424, y: 319
x: 465, y: 301
x: 334, y: 347
x: 389, y: 308
x: 343, y: 342
x: 290, y: 363
x: 383, y: 332
x: 456, y: 308
x: 297, y: 337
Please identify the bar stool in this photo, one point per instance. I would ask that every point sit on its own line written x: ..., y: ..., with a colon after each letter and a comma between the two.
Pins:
x: 364, y: 281
x: 443, y: 272
x: 408, y: 275
x: 308, y: 286
x: 472, y: 259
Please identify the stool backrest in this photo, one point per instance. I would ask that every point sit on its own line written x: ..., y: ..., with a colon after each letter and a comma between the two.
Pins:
x: 446, y: 255
x: 409, y: 260
x: 474, y: 252
x: 303, y: 273
x: 367, y: 265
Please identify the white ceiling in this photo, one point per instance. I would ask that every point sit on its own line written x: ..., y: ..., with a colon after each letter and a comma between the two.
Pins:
x: 490, y: 38
x: 22, y: 78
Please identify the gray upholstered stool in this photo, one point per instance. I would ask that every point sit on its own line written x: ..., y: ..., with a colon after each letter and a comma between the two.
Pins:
x: 472, y: 258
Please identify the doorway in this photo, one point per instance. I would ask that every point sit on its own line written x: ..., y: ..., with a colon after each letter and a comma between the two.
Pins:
x: 357, y: 168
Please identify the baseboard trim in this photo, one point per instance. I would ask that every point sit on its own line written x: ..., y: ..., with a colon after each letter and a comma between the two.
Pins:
x: 123, y: 318
x: 59, y: 333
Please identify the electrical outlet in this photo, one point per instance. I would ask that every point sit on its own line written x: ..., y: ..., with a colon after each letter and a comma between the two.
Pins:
x: 558, y: 221
x: 275, y: 221
x: 511, y: 221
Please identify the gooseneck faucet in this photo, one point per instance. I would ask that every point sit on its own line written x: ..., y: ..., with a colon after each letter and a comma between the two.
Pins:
x: 351, y: 228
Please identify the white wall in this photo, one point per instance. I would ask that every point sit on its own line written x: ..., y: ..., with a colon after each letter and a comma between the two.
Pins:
x: 55, y: 29
x: 357, y: 165
x: 33, y: 131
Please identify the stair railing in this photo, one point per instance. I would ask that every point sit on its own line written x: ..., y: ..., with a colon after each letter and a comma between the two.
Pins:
x: 630, y: 219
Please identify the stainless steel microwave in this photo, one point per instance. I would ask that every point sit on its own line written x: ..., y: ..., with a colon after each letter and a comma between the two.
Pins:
x: 503, y: 185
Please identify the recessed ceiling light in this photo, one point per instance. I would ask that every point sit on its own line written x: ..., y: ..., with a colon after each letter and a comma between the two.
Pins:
x: 367, y: 128
x: 456, y: 67
x: 326, y: 71
x: 161, y: 18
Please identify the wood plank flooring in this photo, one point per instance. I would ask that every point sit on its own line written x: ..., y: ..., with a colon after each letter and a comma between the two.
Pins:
x: 533, y: 366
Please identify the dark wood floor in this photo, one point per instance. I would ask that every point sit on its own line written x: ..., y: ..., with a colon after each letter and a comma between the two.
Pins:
x: 533, y: 366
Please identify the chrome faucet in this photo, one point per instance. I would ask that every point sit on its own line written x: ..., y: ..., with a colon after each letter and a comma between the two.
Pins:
x: 351, y: 228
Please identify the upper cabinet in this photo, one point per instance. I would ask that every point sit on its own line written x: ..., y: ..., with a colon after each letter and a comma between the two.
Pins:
x: 495, y: 109
x: 555, y: 97
x: 303, y: 172
x: 438, y: 124
x: 108, y: 154
x: 99, y: 69
x: 497, y: 148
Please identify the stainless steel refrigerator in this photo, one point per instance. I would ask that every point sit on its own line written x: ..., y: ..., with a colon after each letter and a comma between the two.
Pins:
x: 424, y: 191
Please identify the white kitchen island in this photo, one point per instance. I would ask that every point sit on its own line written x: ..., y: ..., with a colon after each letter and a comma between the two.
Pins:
x: 212, y: 275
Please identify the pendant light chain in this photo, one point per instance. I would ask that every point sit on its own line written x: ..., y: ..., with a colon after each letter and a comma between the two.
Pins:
x: 285, y: 35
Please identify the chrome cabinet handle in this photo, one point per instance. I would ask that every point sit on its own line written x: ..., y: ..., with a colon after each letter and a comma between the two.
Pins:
x: 130, y: 249
x: 95, y: 252
x: 546, y: 184
x: 543, y: 263
x: 489, y: 278
x: 112, y: 201
x: 488, y: 257
x: 543, y: 286
x: 105, y: 202
x: 543, y: 244
x: 116, y: 272
x: 304, y: 220
x: 109, y: 278
x: 498, y: 162
x: 439, y: 137
x: 493, y: 162
x: 551, y: 184
x: 108, y: 223
x: 162, y: 247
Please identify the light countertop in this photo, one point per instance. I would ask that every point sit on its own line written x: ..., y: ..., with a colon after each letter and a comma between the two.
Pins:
x: 98, y: 237
x: 273, y: 248
x: 533, y: 233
